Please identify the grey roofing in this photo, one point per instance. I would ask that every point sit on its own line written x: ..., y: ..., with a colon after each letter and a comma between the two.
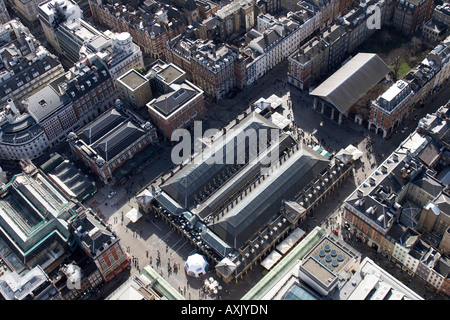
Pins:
x: 238, y: 181
x: 17, y: 287
x: 45, y: 102
x: 443, y: 202
x: 19, y: 131
x: 269, y: 37
x: 352, y: 81
x: 169, y: 204
x: 334, y: 33
x: 443, y: 266
x: 429, y: 184
x: 172, y: 101
x: 72, y: 177
x: 190, y: 5
x: 101, y: 126
x: 430, y: 153
x: 374, y: 209
x: 222, y: 248
x: 118, y: 139
x: 211, y: 22
x: 193, y: 177
x: 111, y: 133
x: 92, y: 232
x: 259, y: 207
x: 86, y: 75
x: 310, y: 50
x: 27, y: 71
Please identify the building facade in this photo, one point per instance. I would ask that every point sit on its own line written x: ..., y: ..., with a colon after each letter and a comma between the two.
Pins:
x: 177, y: 103
x: 100, y: 244
x: 410, y: 15
x: 52, y: 13
x: 389, y: 110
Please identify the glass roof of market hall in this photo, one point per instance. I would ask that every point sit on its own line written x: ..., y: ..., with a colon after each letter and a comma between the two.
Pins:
x: 191, y: 182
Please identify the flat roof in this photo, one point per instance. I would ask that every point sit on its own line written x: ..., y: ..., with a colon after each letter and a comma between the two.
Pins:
x: 330, y: 255
x: 319, y: 271
x: 133, y: 79
x: 170, y: 73
x: 44, y: 102
x: 267, y: 287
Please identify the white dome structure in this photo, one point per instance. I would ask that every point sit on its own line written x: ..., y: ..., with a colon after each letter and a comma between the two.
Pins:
x: 196, y: 265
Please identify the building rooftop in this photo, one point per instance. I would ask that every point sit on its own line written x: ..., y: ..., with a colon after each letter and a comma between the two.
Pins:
x: 371, y: 282
x: 237, y: 225
x: 170, y: 102
x: 18, y: 287
x: 27, y: 71
x: 393, y: 96
x: 31, y: 210
x: 21, y: 130
x: 352, y: 81
x: 68, y: 177
x: 92, y: 233
x: 202, y: 171
x: 133, y: 79
x: 45, y: 102
x: 111, y: 133
x: 170, y: 73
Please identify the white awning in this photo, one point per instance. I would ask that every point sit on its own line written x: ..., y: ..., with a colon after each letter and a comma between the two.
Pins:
x: 134, y: 215
x: 271, y: 260
x: 279, y: 120
x: 355, y: 152
x: 291, y: 240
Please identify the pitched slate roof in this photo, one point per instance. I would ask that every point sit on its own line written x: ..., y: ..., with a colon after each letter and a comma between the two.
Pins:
x: 183, y: 186
x: 352, y: 81
x: 111, y: 133
x: 257, y: 209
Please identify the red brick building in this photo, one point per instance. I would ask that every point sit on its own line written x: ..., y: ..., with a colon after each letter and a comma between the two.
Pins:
x: 100, y: 244
x: 389, y: 110
x: 178, y: 108
x: 151, y: 37
x: 410, y: 15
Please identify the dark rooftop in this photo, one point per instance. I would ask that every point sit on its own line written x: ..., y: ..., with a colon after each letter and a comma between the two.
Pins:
x: 111, y: 133
x: 263, y: 203
x: 172, y: 101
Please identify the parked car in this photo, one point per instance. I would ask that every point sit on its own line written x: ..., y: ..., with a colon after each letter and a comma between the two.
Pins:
x: 111, y: 194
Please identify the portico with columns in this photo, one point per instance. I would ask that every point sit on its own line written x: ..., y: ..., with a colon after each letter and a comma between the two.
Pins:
x: 328, y: 110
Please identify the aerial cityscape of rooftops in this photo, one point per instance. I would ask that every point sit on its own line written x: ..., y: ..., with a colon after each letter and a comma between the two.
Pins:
x: 224, y: 150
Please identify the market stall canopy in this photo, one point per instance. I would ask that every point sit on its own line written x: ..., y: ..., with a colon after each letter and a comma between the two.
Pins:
x: 134, y: 215
x: 355, y: 152
x: 196, y: 265
x: 290, y: 241
x: 350, y: 153
x: 271, y: 260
